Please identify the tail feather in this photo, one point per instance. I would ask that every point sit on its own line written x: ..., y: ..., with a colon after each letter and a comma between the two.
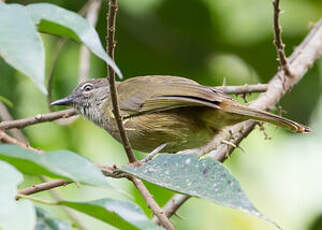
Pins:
x: 259, y: 115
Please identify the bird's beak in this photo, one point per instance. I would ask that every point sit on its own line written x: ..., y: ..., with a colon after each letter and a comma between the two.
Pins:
x: 63, y: 101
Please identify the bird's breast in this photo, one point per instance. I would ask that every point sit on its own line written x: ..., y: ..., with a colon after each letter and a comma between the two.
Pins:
x: 181, y: 129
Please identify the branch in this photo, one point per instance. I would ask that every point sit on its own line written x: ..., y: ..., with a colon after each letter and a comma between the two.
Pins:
x: 153, y: 153
x: 171, y: 207
x: 152, y: 204
x: 300, y: 61
x: 39, y: 118
x: 243, y: 89
x: 5, y: 138
x: 48, y: 185
x: 6, y: 116
x: 111, y: 16
x: 84, y: 60
x: 278, y: 40
x: 43, y: 187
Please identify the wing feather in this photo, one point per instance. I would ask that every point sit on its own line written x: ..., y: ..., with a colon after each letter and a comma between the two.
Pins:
x: 160, y: 93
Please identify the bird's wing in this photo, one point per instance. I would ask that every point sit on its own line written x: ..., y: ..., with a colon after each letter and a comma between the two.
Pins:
x: 160, y: 93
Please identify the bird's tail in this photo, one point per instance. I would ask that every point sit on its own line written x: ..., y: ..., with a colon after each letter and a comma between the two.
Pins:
x: 259, y: 115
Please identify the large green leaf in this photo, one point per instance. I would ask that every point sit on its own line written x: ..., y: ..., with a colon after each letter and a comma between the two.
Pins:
x: 20, y: 43
x: 121, y: 214
x: 45, y: 222
x: 13, y: 215
x: 57, y: 164
x: 56, y: 20
x: 205, y: 178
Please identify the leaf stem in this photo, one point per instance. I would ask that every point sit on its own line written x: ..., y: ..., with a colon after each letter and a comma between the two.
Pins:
x: 46, y: 202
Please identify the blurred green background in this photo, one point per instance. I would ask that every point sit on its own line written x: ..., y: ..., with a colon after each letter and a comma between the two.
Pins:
x: 208, y: 41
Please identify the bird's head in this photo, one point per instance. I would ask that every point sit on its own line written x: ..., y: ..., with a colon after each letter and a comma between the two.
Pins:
x: 88, y: 98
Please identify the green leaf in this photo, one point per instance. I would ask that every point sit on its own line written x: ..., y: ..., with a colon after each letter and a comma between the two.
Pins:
x: 20, y: 43
x: 13, y: 215
x: 45, y: 222
x: 58, y: 164
x: 121, y: 214
x: 205, y: 178
x: 56, y: 20
x: 6, y: 101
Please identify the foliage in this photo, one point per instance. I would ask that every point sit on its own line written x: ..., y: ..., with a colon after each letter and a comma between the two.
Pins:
x: 205, y: 178
x: 20, y: 22
x: 121, y: 214
x: 45, y: 222
x: 13, y: 215
x: 58, y: 164
x: 207, y: 41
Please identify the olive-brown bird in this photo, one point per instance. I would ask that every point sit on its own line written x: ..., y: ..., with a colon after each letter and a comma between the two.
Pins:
x: 165, y: 109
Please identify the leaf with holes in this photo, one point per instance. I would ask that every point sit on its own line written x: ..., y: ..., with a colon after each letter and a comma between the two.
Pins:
x: 56, y: 20
x: 58, y: 164
x: 120, y: 214
x: 205, y: 178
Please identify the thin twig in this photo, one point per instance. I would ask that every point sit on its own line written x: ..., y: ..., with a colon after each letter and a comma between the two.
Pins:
x: 154, y: 152
x: 243, y: 89
x: 39, y: 118
x: 84, y: 60
x: 110, y: 38
x: 278, y: 40
x: 43, y: 186
x: 153, y: 205
x: 6, y: 116
x: 301, y: 60
x: 173, y: 205
x: 5, y: 138
x: 262, y: 129
x: 48, y: 185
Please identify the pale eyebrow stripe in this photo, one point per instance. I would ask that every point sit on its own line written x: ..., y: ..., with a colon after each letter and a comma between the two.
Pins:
x: 86, y: 84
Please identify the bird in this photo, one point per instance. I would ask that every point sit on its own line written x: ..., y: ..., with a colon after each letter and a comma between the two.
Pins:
x: 165, y: 110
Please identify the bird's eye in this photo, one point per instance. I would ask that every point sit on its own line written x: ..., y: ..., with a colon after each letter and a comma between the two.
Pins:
x: 87, y: 87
